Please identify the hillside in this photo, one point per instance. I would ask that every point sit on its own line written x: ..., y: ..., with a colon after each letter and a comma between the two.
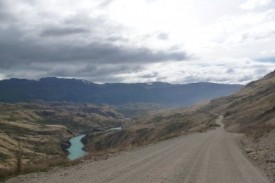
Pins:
x: 40, y: 131
x: 252, y: 106
x: 151, y: 128
x: 252, y: 112
x: 73, y: 90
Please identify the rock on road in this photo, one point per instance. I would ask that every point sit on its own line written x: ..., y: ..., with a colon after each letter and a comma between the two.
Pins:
x: 211, y: 157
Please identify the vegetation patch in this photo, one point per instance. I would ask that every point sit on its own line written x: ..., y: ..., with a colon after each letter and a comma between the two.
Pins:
x: 258, y: 130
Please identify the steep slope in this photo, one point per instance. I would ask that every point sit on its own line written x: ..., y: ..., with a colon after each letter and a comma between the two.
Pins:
x: 254, y: 105
x: 252, y: 112
x: 72, y: 90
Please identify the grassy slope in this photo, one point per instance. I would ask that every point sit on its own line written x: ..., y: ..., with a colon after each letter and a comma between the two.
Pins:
x: 253, y: 108
x: 150, y: 129
x: 42, y: 129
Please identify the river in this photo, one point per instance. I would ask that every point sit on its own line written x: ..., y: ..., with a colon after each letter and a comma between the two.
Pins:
x: 75, y: 150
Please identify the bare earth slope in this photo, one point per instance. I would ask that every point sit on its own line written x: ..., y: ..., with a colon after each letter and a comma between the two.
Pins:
x: 211, y: 157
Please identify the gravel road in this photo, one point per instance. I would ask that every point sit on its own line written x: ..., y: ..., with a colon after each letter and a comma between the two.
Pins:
x: 211, y: 157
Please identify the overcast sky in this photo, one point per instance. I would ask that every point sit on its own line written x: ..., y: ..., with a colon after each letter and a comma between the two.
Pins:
x: 177, y: 41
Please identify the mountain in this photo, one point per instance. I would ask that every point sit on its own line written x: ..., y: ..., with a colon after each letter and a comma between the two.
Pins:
x: 73, y: 90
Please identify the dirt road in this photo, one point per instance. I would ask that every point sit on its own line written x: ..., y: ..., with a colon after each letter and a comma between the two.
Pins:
x: 211, y: 157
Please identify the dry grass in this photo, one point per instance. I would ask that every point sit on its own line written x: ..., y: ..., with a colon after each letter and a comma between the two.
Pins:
x: 253, y: 106
x: 40, y: 166
x: 154, y: 128
x: 44, y: 128
x: 258, y: 130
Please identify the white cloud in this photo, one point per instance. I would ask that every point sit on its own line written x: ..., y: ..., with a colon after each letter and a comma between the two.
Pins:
x: 237, y: 36
x: 252, y: 4
x: 228, y: 70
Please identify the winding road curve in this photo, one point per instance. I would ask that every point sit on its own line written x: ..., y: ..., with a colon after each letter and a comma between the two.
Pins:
x: 211, y: 157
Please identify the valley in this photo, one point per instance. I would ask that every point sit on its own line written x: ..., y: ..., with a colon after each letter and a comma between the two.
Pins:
x: 211, y: 157
x: 40, y: 131
x: 146, y: 91
x: 224, y: 132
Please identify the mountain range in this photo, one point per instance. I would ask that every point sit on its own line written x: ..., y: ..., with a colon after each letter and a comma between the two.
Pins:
x: 81, y: 91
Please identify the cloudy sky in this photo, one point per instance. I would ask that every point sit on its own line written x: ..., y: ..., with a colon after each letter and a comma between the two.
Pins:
x: 177, y: 41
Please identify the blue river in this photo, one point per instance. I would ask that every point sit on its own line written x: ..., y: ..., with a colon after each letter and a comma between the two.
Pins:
x: 75, y: 150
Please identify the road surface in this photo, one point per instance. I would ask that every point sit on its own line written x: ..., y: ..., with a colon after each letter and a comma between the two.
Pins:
x: 211, y: 157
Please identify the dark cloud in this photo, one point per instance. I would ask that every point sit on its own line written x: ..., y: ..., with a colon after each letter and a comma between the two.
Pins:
x: 98, y: 27
x: 150, y: 76
x: 77, y: 46
x: 63, y: 31
x: 27, y: 52
x: 14, y: 50
x: 100, y: 60
x: 116, y: 38
x: 93, y: 70
x: 5, y: 15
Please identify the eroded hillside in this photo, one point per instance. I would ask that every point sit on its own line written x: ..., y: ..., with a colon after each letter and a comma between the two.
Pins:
x: 152, y: 128
x: 40, y: 131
